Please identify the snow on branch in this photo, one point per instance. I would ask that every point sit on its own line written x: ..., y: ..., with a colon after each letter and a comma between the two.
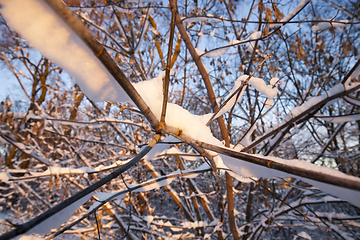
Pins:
x: 153, y: 183
x: 339, y: 119
x: 326, y: 179
x: 296, y: 10
x: 104, y: 197
x: 73, y: 200
x: 62, y: 37
x: 40, y: 26
x: 239, y: 87
x: 29, y: 150
x: 313, y: 104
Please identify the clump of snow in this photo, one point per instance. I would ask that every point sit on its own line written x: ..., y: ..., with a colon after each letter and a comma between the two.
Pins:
x: 304, y: 235
x: 326, y: 25
x: 268, y: 90
x: 159, y: 148
x: 253, y: 36
x: 122, y: 10
x: 165, y: 181
x: 152, y: 184
x: 191, y: 125
x: 216, y: 53
x: 195, y: 19
x: 186, y: 156
x: 93, y: 206
x: 222, y: 50
x: 35, y: 21
x: 355, y: 74
x: 57, y: 170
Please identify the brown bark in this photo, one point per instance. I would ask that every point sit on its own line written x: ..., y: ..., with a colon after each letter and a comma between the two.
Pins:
x: 100, y: 52
x: 230, y: 197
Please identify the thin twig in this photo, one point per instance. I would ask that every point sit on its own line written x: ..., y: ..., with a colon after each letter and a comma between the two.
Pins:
x: 238, y: 89
x: 168, y: 66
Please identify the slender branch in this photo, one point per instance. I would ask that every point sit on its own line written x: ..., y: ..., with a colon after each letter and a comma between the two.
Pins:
x: 302, y: 116
x: 168, y: 66
x: 238, y: 89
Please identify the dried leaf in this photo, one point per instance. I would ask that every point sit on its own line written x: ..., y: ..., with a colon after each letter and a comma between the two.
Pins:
x: 268, y: 15
x: 261, y: 7
x: 277, y: 13
x: 266, y: 31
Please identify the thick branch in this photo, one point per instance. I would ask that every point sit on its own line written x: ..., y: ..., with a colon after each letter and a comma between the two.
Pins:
x: 99, y: 51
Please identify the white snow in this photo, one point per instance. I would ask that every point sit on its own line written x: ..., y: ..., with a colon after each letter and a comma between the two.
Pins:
x: 315, y: 100
x: 30, y: 237
x: 295, y: 10
x: 232, y: 100
x: 186, y: 156
x: 216, y: 53
x: 35, y: 21
x: 195, y: 19
x: 152, y: 184
x: 159, y: 148
x: 253, y: 36
x: 246, y: 139
x: 57, y: 170
x: 93, y: 206
x: 268, y: 90
x: 259, y: 84
x: 104, y: 196
x: 354, y: 75
x: 143, y: 33
x: 326, y: 25
x: 199, y: 52
x: 4, y: 177
x: 339, y: 119
x: 176, y: 116
x: 235, y: 41
x: 122, y: 10
x: 246, y: 169
x: 352, y: 101
x: 59, y: 218
x: 303, y: 235
x: 222, y: 50
x: 160, y: 182
x: 274, y: 139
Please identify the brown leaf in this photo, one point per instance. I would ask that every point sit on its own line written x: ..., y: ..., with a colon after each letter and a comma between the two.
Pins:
x: 277, y: 13
x: 268, y: 15
x: 261, y: 7
x: 266, y: 31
